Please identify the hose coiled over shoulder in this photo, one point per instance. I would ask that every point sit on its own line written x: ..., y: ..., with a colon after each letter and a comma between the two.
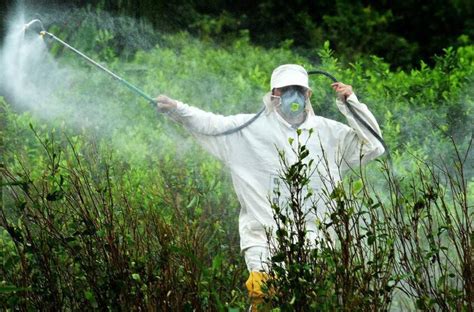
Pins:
x: 351, y: 109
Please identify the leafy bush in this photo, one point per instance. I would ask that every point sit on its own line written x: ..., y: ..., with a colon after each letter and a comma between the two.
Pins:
x: 86, y: 230
x: 350, y: 265
x: 418, y: 241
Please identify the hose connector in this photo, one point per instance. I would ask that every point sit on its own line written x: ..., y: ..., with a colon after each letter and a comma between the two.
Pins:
x: 35, y: 21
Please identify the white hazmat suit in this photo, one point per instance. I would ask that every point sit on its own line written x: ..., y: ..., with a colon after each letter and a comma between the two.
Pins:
x: 253, y: 160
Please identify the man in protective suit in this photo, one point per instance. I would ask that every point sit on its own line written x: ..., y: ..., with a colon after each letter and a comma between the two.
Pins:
x: 251, y: 154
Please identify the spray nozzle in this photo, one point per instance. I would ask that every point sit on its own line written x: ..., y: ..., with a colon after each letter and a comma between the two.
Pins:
x: 35, y: 21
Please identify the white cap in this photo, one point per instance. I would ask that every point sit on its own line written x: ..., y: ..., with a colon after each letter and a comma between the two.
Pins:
x: 289, y: 75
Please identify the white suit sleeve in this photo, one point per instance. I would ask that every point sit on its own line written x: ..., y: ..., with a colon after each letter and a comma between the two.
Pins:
x: 204, y: 124
x: 357, y: 145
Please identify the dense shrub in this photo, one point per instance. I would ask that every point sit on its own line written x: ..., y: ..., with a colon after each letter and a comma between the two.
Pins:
x: 418, y: 241
x: 87, y: 229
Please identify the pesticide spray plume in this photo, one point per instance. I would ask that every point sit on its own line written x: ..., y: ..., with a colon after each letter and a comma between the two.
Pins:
x: 43, y: 33
x: 54, y: 89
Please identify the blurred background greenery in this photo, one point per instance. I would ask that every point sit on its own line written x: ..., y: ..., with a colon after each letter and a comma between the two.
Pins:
x: 108, y: 205
x: 400, y: 32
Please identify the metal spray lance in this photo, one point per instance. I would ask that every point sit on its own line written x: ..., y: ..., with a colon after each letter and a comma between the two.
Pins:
x: 44, y: 33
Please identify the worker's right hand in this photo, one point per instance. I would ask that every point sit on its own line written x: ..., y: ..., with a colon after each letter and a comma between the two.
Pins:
x: 343, y: 91
x: 165, y: 104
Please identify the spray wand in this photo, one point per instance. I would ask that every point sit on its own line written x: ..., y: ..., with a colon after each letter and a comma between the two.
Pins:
x: 136, y: 90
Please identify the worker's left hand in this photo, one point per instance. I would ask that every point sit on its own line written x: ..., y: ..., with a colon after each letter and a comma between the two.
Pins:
x: 343, y: 91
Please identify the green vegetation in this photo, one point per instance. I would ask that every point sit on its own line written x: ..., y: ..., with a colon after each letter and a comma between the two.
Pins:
x: 401, y: 32
x: 129, y: 213
x: 419, y: 240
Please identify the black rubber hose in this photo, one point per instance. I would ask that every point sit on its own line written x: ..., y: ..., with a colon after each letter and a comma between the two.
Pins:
x: 238, y: 128
x: 322, y: 72
x: 351, y: 109
x: 353, y: 112
x: 376, y: 135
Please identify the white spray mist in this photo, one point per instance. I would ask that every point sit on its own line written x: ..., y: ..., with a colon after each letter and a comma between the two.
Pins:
x: 79, y: 95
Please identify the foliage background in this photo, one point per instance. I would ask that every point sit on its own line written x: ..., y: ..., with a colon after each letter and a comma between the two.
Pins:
x: 167, y: 225
x: 400, y: 32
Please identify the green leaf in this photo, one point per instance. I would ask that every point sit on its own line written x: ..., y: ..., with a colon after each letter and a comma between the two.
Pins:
x: 89, y: 295
x: 193, y: 202
x: 357, y: 186
x: 217, y: 262
x: 136, y: 276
